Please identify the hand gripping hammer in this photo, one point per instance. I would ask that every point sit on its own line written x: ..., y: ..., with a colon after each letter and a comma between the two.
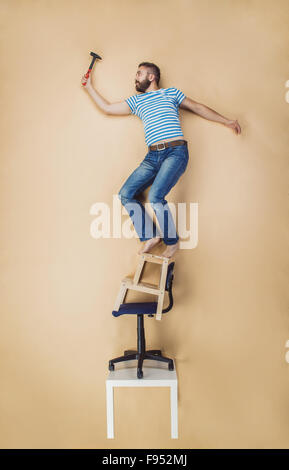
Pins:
x: 95, y: 56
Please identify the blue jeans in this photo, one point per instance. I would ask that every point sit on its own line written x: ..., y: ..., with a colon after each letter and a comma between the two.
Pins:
x: 161, y: 169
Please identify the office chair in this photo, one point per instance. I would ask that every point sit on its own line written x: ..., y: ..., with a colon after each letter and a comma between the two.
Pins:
x: 140, y: 309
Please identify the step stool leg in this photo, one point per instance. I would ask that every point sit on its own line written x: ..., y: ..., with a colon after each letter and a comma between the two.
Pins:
x: 120, y: 296
x: 162, y: 285
x: 139, y: 270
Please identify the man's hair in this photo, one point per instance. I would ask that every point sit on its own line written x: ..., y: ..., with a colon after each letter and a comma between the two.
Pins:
x: 152, y: 68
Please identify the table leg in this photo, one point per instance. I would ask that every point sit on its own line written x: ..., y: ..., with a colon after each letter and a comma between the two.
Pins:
x: 109, y: 411
x: 174, y: 411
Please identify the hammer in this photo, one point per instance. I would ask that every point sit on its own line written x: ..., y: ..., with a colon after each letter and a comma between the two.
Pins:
x: 95, y: 56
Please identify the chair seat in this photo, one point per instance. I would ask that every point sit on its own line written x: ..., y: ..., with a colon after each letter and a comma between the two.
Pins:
x: 135, y: 308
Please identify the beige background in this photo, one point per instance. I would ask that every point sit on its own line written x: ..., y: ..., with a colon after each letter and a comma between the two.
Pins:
x: 60, y: 154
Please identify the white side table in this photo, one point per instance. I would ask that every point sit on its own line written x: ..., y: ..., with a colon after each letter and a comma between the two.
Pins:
x: 155, y: 374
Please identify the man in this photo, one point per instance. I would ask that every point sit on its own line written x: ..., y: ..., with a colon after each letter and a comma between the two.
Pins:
x: 167, y: 156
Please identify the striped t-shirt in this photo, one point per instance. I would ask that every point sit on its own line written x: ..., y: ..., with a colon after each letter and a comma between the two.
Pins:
x: 159, y: 111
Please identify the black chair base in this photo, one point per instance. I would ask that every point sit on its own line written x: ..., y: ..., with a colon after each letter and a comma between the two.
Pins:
x: 141, y: 354
x: 153, y: 355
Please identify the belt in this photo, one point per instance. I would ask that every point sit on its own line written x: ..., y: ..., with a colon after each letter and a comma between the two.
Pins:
x: 171, y: 143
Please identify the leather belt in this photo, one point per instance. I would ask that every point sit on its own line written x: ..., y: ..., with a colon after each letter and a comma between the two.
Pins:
x: 171, y: 143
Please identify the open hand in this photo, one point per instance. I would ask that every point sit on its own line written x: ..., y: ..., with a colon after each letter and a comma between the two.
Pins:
x: 235, y: 126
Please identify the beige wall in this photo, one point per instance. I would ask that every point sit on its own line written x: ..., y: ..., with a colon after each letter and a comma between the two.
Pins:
x: 60, y: 154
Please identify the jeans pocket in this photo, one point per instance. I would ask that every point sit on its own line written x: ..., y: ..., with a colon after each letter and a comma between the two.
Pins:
x: 185, y: 158
x: 150, y: 156
x: 179, y: 150
x: 181, y: 153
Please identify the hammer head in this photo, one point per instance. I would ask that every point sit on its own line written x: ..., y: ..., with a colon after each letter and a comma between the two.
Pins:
x: 95, y: 56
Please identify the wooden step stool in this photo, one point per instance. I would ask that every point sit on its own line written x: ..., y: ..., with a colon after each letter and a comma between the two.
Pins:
x: 135, y: 284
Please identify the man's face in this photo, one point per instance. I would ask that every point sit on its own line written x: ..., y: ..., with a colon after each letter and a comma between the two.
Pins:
x: 142, y: 81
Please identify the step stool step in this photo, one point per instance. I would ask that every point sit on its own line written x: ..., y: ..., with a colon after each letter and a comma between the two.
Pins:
x: 154, y: 258
x: 141, y: 286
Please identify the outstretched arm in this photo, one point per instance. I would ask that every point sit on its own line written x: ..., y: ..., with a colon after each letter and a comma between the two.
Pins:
x: 208, y: 113
x: 121, y: 108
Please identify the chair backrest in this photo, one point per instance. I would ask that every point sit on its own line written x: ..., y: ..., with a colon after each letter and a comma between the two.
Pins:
x: 169, y: 286
x: 170, y: 275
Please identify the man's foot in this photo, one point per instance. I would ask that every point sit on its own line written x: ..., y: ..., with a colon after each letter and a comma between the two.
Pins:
x: 170, y: 250
x: 149, y: 244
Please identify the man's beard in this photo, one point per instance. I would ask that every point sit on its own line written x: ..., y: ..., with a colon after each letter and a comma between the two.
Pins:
x: 143, y: 86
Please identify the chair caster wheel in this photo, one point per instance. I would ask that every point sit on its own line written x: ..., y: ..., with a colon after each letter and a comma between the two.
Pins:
x: 171, y: 365
x: 139, y: 374
x: 110, y: 366
x: 128, y: 352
